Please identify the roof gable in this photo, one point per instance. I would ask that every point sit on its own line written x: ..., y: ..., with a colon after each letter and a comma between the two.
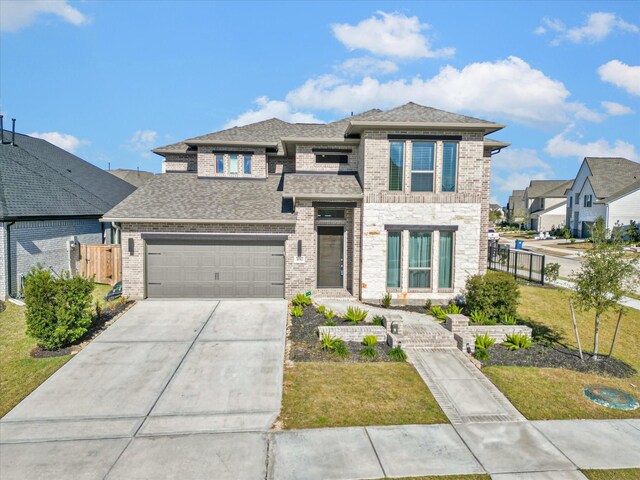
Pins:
x: 610, y: 175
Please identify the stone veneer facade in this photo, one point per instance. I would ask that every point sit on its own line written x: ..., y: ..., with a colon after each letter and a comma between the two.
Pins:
x: 365, y: 234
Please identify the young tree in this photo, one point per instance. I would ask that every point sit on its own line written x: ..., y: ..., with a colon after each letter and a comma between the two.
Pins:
x: 604, y: 275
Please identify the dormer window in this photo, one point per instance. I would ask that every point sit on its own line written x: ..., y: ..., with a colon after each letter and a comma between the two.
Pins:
x: 233, y: 163
x: 219, y: 163
x: 247, y: 164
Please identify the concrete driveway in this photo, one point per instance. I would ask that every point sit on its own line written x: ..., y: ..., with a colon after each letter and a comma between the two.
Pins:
x: 193, y: 369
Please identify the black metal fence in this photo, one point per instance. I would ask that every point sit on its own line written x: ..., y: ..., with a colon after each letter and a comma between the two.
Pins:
x: 519, y: 263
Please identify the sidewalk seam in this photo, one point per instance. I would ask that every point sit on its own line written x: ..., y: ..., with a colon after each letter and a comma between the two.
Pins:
x: 366, y: 430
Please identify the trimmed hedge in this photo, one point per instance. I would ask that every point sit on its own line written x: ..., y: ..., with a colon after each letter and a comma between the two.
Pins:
x: 495, y: 293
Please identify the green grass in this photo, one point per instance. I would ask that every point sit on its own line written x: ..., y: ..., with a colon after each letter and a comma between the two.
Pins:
x: 626, y: 474
x: 549, y: 393
x: 332, y: 394
x: 19, y: 373
x: 100, y: 290
x: 478, y: 476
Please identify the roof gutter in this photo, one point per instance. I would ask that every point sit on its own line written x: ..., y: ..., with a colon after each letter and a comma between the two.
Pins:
x: 373, y: 125
x: 231, y: 143
x: 310, y: 196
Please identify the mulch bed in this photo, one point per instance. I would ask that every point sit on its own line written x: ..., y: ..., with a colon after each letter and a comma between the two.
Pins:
x: 109, y: 315
x: 306, y: 346
x: 404, y: 308
x: 545, y: 355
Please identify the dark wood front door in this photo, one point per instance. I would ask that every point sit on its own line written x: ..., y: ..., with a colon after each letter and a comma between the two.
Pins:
x: 330, y: 257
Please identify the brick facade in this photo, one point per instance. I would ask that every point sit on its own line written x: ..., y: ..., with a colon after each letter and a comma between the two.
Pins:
x: 306, y: 159
x: 207, y: 162
x: 180, y: 163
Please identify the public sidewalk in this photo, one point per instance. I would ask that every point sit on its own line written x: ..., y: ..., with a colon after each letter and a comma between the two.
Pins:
x: 626, y: 301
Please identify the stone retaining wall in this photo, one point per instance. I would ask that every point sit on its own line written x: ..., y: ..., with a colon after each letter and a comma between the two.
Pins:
x: 354, y: 333
x: 465, y: 334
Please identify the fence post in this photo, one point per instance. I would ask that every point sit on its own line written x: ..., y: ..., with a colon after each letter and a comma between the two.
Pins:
x: 544, y: 258
x: 515, y: 265
x: 508, y: 258
x: 531, y: 267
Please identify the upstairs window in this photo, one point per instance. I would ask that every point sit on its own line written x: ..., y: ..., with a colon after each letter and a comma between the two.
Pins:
x: 542, y: 203
x: 577, y: 199
x: 247, y: 164
x: 422, y: 166
x: 233, y: 163
x: 396, y: 163
x: 588, y: 200
x: 570, y: 202
x: 219, y: 163
x: 449, y: 166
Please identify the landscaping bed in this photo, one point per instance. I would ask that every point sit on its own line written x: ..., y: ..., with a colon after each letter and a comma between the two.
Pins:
x: 306, y: 345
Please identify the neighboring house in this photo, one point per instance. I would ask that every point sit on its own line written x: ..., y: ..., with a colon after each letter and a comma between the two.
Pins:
x: 516, y: 208
x: 497, y: 211
x: 134, y: 177
x: 49, y: 201
x: 546, y: 204
x: 394, y: 201
x: 604, y: 187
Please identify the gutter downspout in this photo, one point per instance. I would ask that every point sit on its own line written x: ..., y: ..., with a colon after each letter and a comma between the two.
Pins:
x: 8, y: 256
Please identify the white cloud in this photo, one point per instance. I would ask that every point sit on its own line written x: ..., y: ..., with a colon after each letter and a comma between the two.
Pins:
x: 508, y: 88
x: 18, y: 14
x: 596, y: 28
x: 65, y: 141
x: 269, y: 109
x: 363, y: 66
x: 615, y: 109
x: 515, y: 180
x: 390, y: 35
x: 621, y: 75
x: 561, y: 146
x: 518, y: 159
x: 143, y: 141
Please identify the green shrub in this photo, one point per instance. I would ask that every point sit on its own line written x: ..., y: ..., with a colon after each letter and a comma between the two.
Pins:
x: 301, y: 300
x: 481, y: 354
x: 572, y: 240
x: 397, y: 354
x: 355, y: 315
x: 370, y: 340
x: 321, y: 309
x: 329, y: 323
x: 386, y: 300
x: 368, y: 351
x: 329, y: 314
x: 427, y: 305
x: 478, y: 317
x: 98, y: 310
x: 551, y: 272
x: 517, y: 341
x: 438, y: 312
x: 58, y: 309
x: 495, y: 294
x: 329, y: 342
x: 484, y: 341
x: 297, y: 311
x: 508, y: 320
x: 453, y: 308
x: 378, y: 320
x: 340, y: 349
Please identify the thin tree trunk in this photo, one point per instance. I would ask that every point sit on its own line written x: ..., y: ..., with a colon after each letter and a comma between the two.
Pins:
x: 595, y: 337
x: 575, y: 328
x: 615, y: 335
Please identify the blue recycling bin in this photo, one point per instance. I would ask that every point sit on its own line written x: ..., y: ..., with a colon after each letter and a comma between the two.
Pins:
x: 519, y: 244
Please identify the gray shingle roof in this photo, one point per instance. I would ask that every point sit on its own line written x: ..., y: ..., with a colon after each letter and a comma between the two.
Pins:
x: 412, y: 112
x: 548, y: 188
x: 132, y: 177
x: 184, y: 196
x: 611, y: 175
x: 321, y: 184
x: 38, y: 179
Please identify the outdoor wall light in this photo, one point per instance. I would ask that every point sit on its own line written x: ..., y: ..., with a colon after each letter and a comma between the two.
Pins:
x: 130, y: 245
x: 468, y: 348
x: 394, y: 327
x: 299, y: 248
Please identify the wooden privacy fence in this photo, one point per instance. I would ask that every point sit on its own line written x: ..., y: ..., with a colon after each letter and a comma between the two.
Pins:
x: 103, y: 261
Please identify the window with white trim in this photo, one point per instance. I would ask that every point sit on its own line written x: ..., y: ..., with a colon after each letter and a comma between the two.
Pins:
x: 422, y: 166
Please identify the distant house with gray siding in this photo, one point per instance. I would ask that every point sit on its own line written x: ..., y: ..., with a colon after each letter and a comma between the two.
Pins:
x: 50, y: 200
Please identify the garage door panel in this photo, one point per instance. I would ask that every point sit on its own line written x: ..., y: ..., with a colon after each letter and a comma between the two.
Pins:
x: 214, y: 270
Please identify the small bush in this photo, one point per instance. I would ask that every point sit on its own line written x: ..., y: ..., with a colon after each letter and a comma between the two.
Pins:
x: 329, y: 323
x: 370, y: 340
x: 478, y: 317
x: 517, y: 341
x: 378, y: 321
x: 301, y: 300
x: 368, y: 352
x: 321, y: 309
x: 427, y: 305
x: 481, y: 354
x: 98, y: 311
x: 508, y: 320
x: 572, y: 240
x: 551, y: 272
x: 340, y: 349
x: 484, y: 341
x: 355, y: 315
x: 438, y: 313
x: 397, y: 354
x: 453, y: 308
x: 495, y: 294
x: 297, y: 311
x: 386, y: 300
x: 329, y: 342
x: 58, y: 309
x: 329, y: 314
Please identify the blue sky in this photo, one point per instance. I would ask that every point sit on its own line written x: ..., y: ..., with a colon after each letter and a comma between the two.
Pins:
x: 111, y: 80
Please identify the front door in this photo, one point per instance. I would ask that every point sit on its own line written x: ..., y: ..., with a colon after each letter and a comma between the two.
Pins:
x: 330, y: 257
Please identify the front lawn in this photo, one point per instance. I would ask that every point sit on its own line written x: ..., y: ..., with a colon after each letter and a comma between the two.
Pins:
x: 20, y: 374
x: 554, y: 393
x: 345, y: 394
x: 626, y: 474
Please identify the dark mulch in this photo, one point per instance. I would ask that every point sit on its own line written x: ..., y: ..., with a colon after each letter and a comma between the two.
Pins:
x: 306, y: 346
x: 546, y: 355
x: 109, y: 315
x: 404, y: 308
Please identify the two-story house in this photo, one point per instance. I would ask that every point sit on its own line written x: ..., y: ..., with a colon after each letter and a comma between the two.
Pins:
x: 394, y: 201
x: 604, y: 187
x: 546, y: 204
x: 516, y: 207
